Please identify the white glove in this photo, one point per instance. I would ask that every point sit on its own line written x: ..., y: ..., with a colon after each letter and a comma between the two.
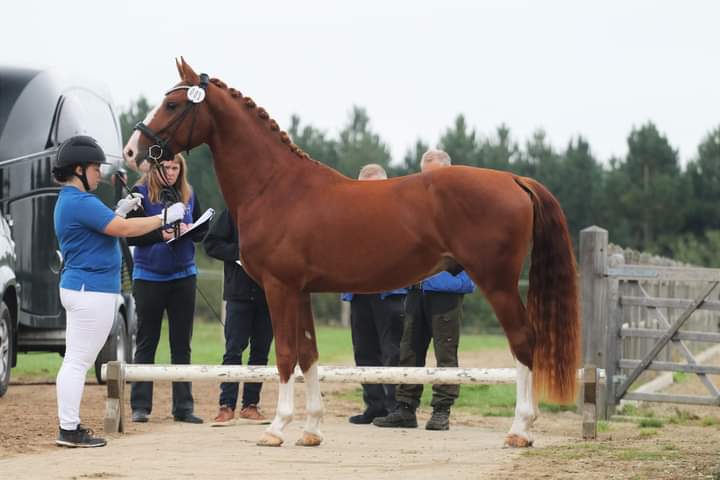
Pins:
x: 128, y: 204
x: 173, y: 213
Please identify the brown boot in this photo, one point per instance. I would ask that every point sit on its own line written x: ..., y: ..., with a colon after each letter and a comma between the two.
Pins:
x: 224, y: 418
x: 251, y: 414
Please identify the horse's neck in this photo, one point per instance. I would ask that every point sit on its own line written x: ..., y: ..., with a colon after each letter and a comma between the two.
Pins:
x: 251, y: 160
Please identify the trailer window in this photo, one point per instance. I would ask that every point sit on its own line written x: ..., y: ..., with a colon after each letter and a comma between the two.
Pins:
x: 84, y: 113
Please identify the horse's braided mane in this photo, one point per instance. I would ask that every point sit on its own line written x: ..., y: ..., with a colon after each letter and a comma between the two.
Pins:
x: 263, y: 114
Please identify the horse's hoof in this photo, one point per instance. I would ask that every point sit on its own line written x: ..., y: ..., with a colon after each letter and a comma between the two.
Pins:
x: 269, y: 440
x: 309, y: 440
x: 516, y: 441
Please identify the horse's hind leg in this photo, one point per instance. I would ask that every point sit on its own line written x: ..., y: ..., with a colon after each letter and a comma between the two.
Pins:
x: 284, y: 307
x: 512, y: 315
x: 308, y: 359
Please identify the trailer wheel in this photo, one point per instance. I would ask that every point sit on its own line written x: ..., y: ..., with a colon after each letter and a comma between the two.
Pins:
x: 6, y: 347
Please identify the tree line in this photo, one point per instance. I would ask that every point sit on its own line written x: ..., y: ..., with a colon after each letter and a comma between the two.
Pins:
x: 647, y: 200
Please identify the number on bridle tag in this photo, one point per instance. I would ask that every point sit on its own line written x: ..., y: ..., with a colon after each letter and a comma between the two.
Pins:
x: 196, y: 94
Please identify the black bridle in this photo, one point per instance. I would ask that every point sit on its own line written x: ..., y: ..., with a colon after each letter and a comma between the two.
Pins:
x: 160, y: 150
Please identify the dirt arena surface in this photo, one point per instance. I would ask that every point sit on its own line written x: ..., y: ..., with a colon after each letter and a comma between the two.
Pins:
x: 163, y: 449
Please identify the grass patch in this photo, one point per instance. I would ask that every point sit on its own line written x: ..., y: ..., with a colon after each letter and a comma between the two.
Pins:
x: 645, y: 455
x: 557, y: 408
x: 680, y: 377
x: 603, y: 426
x: 606, y: 452
x: 634, y: 411
x: 683, y: 417
x: 208, y: 346
x: 648, y: 432
x: 650, y: 423
x: 575, y: 451
x: 710, y: 421
x: 487, y: 400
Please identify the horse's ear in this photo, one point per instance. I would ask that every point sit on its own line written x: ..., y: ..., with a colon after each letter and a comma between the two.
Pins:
x: 188, y: 74
x: 180, y: 70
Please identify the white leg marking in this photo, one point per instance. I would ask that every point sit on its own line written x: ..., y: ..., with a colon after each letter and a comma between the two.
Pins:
x: 313, y: 401
x: 285, y: 406
x: 525, y: 407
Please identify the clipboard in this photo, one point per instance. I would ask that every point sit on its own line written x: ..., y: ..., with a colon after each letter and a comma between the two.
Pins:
x: 205, y: 217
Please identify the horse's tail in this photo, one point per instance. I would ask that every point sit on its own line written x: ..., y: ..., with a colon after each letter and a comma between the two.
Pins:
x: 552, y: 301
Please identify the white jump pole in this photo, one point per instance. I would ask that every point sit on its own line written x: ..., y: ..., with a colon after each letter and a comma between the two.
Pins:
x: 117, y: 373
x: 244, y: 373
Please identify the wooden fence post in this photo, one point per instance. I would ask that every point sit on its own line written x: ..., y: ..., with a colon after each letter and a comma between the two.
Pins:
x: 594, y: 300
x: 613, y: 346
x: 590, y: 397
x: 114, y: 408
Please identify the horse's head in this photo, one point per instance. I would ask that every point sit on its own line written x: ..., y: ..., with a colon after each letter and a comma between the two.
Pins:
x: 180, y: 122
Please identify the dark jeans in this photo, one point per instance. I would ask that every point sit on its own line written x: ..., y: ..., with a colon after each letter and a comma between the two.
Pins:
x: 436, y: 316
x: 177, y: 298
x: 376, y: 325
x: 245, y: 322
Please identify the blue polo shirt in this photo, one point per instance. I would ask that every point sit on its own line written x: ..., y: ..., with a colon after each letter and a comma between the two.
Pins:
x: 91, y: 259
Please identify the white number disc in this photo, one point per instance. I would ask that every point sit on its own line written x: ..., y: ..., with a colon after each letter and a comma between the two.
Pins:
x: 196, y: 94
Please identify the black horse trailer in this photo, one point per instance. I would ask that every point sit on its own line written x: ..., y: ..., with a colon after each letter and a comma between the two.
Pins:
x: 38, y: 110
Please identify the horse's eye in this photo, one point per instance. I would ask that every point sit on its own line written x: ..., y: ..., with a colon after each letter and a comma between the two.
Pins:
x: 171, y: 106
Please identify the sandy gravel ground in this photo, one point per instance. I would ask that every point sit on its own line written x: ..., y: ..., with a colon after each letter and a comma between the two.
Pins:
x: 163, y: 449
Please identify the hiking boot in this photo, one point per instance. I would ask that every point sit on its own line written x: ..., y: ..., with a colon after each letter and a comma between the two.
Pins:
x: 367, y: 417
x: 440, y: 419
x: 139, y: 416
x: 225, y: 417
x: 188, y: 418
x: 402, y: 417
x: 80, y: 437
x: 251, y: 414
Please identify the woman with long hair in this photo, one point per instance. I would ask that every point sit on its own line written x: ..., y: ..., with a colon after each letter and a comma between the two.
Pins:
x: 164, y: 281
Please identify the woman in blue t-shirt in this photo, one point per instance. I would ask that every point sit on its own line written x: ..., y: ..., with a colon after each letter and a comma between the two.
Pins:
x: 164, y: 279
x: 90, y: 279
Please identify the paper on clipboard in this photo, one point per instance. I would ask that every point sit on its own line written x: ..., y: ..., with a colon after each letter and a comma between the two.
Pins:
x: 202, y: 219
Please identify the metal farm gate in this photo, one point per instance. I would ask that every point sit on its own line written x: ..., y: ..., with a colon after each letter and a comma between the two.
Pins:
x: 643, y: 315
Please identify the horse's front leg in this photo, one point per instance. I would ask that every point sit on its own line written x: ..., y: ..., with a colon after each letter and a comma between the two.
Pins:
x: 308, y: 359
x: 525, y: 410
x: 284, y: 304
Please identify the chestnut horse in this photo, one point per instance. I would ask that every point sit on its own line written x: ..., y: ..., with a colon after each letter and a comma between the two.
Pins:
x: 304, y: 227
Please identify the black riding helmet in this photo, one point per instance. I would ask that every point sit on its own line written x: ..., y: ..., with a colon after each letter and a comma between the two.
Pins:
x: 80, y: 150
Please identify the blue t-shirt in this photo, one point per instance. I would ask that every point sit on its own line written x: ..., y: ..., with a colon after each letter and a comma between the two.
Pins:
x: 91, y: 259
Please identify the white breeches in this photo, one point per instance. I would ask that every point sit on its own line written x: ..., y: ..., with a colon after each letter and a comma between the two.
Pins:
x: 90, y: 318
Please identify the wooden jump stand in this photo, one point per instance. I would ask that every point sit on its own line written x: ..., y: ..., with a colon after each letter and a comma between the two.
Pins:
x: 115, y: 403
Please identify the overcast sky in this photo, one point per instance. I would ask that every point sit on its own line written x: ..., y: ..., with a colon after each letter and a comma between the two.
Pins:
x: 570, y: 67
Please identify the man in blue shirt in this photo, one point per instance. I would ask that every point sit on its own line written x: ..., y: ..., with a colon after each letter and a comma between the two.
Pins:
x: 433, y: 311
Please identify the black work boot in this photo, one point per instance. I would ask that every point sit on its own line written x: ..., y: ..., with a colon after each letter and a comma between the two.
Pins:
x: 366, y: 417
x: 402, y: 417
x: 440, y: 419
x: 80, y: 437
